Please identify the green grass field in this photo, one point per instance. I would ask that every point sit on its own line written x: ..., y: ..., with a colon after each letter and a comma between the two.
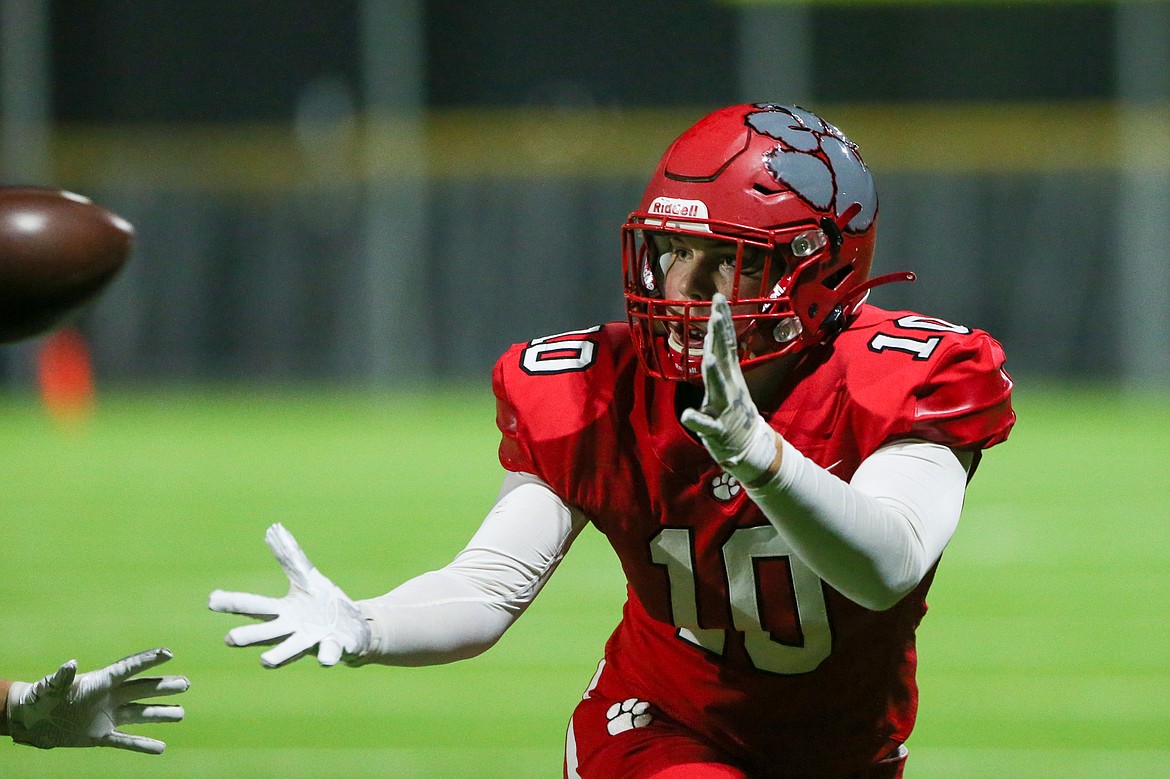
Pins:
x: 1045, y: 653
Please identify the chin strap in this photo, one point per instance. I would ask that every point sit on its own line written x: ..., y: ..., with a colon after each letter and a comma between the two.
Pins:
x: 835, y: 322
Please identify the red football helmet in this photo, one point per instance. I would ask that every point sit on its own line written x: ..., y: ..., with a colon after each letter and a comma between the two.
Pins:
x: 771, y: 179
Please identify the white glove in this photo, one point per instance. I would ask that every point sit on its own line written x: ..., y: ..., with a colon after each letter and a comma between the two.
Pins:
x: 728, y: 423
x: 315, y: 613
x: 67, y: 710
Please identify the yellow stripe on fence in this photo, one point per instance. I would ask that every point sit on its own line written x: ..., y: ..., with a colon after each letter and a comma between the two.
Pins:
x: 596, y: 144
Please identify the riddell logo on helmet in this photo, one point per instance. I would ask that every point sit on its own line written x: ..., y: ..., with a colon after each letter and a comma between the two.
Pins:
x: 673, y: 206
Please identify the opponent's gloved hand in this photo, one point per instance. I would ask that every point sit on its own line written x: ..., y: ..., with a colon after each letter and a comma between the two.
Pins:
x: 67, y: 710
x: 728, y: 423
x: 315, y: 613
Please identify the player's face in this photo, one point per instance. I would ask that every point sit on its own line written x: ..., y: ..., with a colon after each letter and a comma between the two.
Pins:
x: 690, y: 269
x: 697, y: 268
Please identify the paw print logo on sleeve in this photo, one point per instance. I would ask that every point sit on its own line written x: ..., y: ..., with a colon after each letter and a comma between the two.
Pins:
x: 627, y: 715
x: 724, y: 487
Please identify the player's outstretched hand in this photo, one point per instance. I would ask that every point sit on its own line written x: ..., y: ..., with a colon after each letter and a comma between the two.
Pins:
x: 65, y: 709
x: 315, y: 613
x: 728, y: 423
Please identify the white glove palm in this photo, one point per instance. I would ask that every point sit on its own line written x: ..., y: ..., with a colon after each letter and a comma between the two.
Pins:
x: 315, y: 613
x: 728, y: 422
x: 67, y: 710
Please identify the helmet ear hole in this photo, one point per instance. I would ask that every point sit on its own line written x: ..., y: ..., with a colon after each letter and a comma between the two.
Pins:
x: 834, y: 279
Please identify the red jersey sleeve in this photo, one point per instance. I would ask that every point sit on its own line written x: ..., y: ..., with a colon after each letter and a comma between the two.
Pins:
x: 905, y: 375
x: 514, y: 452
x: 965, y: 401
x: 551, y: 394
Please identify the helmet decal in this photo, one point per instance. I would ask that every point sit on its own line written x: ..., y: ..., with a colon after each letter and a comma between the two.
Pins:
x: 854, y: 184
x: 805, y: 174
x: 816, y: 161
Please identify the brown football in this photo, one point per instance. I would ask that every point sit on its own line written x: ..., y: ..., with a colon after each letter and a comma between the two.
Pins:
x: 57, y: 251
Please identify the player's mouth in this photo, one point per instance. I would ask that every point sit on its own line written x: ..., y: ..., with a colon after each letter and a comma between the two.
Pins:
x: 691, y: 344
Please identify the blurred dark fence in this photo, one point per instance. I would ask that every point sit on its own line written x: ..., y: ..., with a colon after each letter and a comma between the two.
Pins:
x: 396, y: 190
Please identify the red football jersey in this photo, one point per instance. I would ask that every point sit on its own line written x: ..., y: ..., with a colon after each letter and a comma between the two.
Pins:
x: 724, y: 630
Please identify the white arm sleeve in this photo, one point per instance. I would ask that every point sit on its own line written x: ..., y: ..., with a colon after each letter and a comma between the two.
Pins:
x: 463, y: 608
x: 875, y: 538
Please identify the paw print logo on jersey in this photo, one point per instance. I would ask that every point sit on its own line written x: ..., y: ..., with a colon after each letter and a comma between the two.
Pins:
x: 627, y: 715
x: 817, y: 161
x: 725, y: 487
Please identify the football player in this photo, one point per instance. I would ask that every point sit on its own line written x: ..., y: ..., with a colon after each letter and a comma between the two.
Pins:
x: 777, y: 464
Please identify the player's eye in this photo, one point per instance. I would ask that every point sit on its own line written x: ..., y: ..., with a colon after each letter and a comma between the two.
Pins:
x: 753, y: 264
